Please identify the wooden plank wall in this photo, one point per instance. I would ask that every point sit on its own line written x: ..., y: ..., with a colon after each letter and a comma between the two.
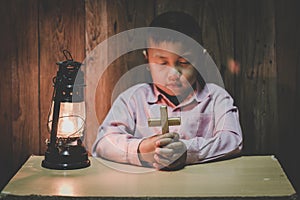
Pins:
x: 287, y: 25
x: 254, y: 43
x: 61, y: 26
x: 19, y: 85
x: 255, y: 50
x: 104, y: 19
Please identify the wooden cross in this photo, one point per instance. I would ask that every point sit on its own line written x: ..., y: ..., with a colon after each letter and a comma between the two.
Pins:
x: 164, y: 121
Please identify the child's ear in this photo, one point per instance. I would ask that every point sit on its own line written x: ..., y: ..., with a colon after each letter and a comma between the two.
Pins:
x: 145, y: 54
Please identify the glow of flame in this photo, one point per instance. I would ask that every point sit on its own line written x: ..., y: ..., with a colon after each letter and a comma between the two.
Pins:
x: 67, y: 126
x: 66, y: 189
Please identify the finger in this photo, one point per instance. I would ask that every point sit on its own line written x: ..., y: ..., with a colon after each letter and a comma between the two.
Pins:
x: 163, y: 142
x: 161, y: 161
x: 157, y: 166
x: 175, y: 146
x: 172, y: 135
x: 175, y: 156
x: 165, y: 152
x: 166, y: 135
x: 175, y: 136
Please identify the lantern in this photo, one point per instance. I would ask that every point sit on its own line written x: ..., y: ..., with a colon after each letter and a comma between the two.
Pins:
x: 66, y: 120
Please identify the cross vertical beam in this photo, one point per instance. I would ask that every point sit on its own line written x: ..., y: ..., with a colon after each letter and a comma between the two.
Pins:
x: 164, y: 121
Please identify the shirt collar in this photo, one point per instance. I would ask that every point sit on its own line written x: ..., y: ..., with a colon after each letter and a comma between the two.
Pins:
x: 154, y: 95
x: 202, y: 93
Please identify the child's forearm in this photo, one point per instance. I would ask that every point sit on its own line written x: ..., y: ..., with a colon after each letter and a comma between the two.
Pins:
x: 118, y: 147
x: 200, y: 149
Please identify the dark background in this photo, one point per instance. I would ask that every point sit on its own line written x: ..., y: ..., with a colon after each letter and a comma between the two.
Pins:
x: 260, y: 36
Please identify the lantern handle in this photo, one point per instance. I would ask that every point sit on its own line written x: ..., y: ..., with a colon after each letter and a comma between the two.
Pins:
x: 67, y: 54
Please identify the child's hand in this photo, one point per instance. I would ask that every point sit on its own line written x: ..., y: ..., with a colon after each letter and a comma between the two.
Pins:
x: 171, y: 156
x: 148, y: 146
x: 164, y: 152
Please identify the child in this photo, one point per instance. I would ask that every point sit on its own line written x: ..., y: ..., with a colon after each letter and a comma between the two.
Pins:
x: 209, y: 126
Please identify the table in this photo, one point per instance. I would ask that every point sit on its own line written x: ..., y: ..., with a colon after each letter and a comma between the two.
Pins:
x: 247, y: 177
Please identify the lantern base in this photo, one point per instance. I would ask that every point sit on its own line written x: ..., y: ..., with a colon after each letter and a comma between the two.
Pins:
x: 67, y: 157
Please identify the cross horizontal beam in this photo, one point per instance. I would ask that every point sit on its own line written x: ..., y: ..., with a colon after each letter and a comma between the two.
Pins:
x: 164, y: 121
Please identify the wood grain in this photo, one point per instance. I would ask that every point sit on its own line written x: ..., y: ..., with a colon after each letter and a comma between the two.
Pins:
x: 261, y: 36
x: 19, y: 101
x: 25, y: 84
x: 287, y: 58
x: 217, y: 23
x: 105, y: 19
x: 256, y: 87
x: 96, y: 32
x: 8, y: 44
x: 61, y: 26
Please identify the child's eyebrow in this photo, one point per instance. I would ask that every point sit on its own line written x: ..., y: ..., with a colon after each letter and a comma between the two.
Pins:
x: 158, y: 55
x: 161, y: 57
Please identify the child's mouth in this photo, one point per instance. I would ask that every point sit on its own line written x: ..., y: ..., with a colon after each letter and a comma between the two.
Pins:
x: 174, y: 85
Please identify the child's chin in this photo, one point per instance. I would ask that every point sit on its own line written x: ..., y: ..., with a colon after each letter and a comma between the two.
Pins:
x: 174, y: 92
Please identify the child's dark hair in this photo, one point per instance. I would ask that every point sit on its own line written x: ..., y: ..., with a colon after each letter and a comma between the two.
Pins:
x: 177, y: 21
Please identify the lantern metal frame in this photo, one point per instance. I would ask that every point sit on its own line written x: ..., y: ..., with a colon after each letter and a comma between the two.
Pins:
x: 66, y: 153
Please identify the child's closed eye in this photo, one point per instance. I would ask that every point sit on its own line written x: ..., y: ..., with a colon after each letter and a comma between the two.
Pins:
x: 184, y: 63
x: 161, y: 63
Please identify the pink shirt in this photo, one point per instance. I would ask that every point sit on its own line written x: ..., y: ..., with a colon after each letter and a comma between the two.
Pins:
x: 209, y: 126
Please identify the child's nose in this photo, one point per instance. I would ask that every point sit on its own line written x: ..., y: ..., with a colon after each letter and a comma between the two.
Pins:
x: 174, y: 73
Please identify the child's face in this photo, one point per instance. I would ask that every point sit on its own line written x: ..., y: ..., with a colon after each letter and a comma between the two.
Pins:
x: 171, y: 73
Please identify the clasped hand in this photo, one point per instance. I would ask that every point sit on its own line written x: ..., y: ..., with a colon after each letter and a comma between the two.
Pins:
x: 163, y: 152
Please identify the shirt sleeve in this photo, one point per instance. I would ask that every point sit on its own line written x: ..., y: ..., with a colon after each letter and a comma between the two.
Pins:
x: 115, y: 140
x: 226, y: 138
